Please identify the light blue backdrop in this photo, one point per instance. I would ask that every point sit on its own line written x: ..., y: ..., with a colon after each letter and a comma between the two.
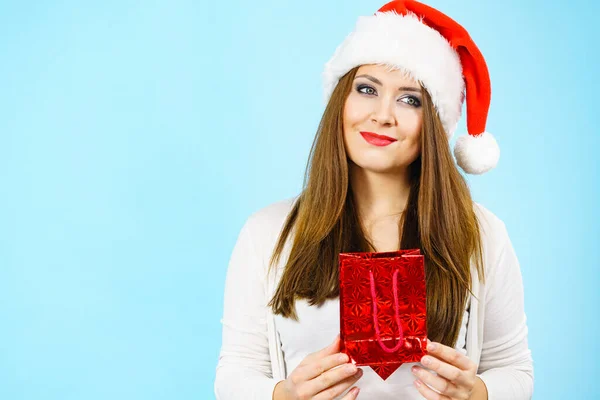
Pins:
x: 137, y: 136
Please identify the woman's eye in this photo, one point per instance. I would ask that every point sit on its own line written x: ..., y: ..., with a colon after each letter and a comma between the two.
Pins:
x: 411, y: 101
x: 366, y: 90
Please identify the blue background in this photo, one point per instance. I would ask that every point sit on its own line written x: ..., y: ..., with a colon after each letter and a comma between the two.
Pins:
x: 136, y: 137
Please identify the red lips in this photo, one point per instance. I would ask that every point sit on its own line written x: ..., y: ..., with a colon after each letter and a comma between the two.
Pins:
x: 377, y: 140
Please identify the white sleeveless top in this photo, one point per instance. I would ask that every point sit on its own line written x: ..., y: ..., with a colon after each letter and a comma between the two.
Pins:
x: 317, y: 327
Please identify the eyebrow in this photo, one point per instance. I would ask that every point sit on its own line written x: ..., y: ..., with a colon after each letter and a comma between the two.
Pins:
x: 377, y: 81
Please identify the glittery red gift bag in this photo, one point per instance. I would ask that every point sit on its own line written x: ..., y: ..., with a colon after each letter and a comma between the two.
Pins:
x: 383, y: 319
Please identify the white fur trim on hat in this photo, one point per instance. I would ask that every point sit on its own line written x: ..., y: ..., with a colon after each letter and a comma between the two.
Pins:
x: 477, y: 154
x: 403, y: 42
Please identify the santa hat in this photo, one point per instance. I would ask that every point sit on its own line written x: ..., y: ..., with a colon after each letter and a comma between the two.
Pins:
x: 437, y: 52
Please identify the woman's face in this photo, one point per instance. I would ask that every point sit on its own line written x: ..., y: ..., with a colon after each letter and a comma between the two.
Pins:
x: 382, y: 120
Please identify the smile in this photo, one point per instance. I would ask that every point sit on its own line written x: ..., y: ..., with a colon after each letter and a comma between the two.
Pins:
x: 377, y: 140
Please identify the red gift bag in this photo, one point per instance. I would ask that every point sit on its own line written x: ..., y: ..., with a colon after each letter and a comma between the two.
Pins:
x: 383, y: 320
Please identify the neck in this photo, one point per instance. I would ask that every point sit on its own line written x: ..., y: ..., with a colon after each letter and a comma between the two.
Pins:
x: 379, y: 196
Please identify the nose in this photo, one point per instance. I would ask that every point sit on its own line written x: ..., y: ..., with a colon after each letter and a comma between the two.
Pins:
x: 383, y: 112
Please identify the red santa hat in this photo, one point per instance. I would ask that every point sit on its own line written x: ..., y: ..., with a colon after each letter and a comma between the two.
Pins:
x: 436, y: 51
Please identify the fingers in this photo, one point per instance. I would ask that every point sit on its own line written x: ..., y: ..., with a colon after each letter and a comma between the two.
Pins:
x: 451, y: 356
x: 457, y: 367
x: 318, y: 367
x: 352, y: 394
x: 326, y: 373
x: 440, y: 384
x: 428, y: 393
x: 444, y: 369
x: 331, y: 378
x: 333, y: 391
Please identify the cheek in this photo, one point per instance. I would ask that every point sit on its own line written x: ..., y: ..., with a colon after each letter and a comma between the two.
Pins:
x: 415, y: 141
x: 412, y: 135
x: 416, y: 135
x: 413, y: 127
x: 354, y: 111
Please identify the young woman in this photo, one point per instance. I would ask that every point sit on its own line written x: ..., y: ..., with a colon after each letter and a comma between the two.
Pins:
x: 381, y: 177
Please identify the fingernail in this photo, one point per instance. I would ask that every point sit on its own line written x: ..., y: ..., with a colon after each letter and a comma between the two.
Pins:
x: 415, y: 370
x: 351, y: 368
x: 359, y: 372
x: 432, y: 346
x: 426, y: 360
x: 343, y: 357
x: 355, y: 391
x: 418, y: 383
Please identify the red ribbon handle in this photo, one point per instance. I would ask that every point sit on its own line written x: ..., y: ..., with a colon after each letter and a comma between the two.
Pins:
x: 396, y: 309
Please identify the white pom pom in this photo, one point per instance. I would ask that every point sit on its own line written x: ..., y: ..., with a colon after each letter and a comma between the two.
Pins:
x: 477, y: 154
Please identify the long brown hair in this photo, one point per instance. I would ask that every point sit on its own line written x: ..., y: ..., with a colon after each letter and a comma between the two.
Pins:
x: 439, y: 219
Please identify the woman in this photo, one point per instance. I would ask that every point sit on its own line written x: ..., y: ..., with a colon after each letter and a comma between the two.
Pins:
x: 381, y: 178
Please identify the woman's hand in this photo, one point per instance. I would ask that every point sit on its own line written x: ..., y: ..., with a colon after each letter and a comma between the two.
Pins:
x: 317, y: 377
x: 457, y: 375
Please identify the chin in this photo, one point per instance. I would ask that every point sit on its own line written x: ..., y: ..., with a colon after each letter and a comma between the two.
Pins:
x: 379, y: 166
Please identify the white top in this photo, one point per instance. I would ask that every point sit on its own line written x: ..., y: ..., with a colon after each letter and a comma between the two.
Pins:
x: 252, y: 357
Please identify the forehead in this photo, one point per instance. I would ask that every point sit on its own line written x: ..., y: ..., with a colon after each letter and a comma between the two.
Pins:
x: 387, y: 74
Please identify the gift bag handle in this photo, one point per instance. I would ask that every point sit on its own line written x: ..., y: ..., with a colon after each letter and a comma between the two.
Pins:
x: 396, y: 311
